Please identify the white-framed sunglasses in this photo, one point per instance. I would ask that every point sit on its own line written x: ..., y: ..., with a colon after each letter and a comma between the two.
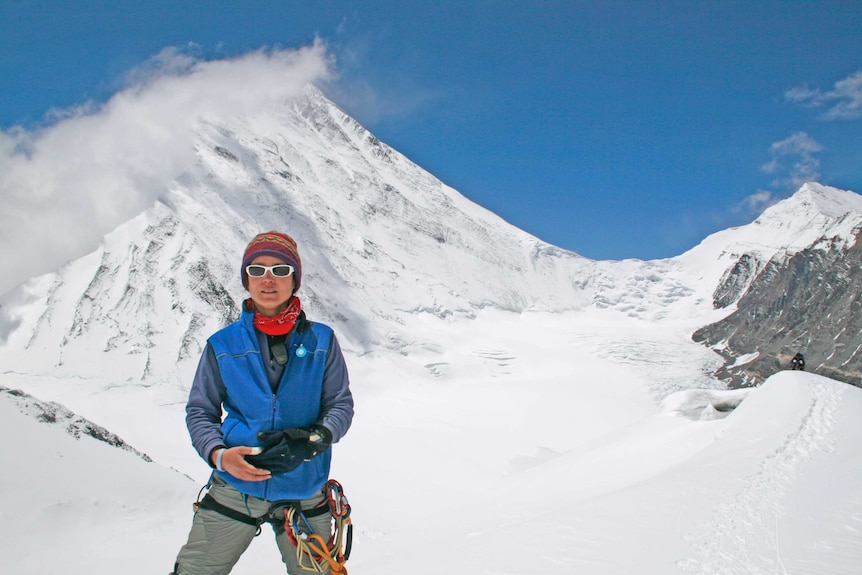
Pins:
x: 277, y: 271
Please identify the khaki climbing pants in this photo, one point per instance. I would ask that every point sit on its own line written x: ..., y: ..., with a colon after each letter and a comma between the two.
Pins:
x: 216, y: 541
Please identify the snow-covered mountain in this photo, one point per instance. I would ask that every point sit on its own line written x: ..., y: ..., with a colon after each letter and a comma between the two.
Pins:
x: 815, y: 216
x: 380, y: 239
x: 488, y: 365
x: 369, y: 224
x: 794, y: 287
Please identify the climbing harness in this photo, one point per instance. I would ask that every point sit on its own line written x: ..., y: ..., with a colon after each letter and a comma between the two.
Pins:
x: 209, y: 502
x: 312, y: 552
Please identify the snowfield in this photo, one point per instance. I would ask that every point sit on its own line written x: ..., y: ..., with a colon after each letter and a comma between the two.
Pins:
x: 529, y: 443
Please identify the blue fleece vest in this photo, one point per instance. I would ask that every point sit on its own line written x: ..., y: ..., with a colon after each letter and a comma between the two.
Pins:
x: 251, y: 406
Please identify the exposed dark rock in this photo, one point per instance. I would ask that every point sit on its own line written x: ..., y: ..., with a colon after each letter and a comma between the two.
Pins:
x: 226, y: 154
x: 52, y: 413
x: 810, y: 302
x: 735, y: 281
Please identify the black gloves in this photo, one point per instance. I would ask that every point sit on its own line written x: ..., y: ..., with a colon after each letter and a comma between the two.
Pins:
x: 285, y: 449
x: 319, y: 439
x: 281, y: 453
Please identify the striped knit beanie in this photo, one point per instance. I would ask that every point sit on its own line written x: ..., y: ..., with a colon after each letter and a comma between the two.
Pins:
x: 273, y: 244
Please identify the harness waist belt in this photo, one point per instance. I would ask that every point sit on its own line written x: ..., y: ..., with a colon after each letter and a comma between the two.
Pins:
x: 209, y: 502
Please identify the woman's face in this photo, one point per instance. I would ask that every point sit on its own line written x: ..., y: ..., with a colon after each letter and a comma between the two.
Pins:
x: 270, y: 294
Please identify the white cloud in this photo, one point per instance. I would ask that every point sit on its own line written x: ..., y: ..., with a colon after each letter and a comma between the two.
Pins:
x: 94, y: 167
x: 794, y: 161
x: 843, y: 102
x: 756, y: 202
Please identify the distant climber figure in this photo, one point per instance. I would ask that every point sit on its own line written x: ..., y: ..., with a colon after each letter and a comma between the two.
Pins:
x: 798, y: 362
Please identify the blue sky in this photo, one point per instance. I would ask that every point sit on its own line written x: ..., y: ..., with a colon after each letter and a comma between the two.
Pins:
x: 615, y: 129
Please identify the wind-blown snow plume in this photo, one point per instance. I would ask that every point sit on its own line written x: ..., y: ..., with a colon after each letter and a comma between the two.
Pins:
x: 65, y: 185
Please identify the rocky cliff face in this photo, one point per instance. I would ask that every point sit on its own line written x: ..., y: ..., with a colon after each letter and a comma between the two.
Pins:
x: 808, y: 302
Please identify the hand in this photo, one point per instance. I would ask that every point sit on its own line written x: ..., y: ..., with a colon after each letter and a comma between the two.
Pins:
x: 233, y: 461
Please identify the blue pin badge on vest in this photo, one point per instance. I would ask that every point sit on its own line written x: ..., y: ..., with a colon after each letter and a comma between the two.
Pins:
x: 301, y: 351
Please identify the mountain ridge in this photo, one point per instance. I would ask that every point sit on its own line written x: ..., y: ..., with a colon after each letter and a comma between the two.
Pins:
x: 381, y: 240
x: 804, y: 297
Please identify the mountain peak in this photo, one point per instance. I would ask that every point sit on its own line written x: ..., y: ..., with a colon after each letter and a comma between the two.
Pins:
x: 828, y: 201
x: 814, y: 212
x: 814, y: 201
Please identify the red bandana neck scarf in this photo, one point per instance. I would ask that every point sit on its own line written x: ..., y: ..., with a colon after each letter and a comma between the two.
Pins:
x: 280, y: 324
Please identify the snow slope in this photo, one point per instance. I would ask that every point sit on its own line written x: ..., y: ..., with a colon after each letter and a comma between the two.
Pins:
x: 536, y: 455
x: 75, y: 504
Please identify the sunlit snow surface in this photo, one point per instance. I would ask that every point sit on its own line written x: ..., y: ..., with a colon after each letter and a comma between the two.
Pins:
x: 525, y: 443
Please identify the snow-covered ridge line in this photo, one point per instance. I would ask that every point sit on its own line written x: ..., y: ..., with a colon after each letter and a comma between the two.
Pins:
x: 380, y: 238
x: 52, y: 413
x: 814, y: 213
